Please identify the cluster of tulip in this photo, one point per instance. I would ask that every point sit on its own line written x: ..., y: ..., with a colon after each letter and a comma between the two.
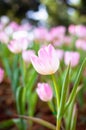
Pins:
x: 57, y: 49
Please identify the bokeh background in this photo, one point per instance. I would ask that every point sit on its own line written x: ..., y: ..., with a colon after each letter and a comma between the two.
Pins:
x: 45, y: 12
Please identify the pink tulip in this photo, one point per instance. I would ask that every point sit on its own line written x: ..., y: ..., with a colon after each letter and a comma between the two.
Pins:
x: 40, y: 33
x: 26, y: 55
x: 20, y: 34
x: 71, y: 58
x: 14, y: 26
x: 47, y: 61
x: 1, y: 75
x: 81, y: 44
x: 60, y: 53
x: 24, y: 27
x: 4, y: 37
x: 58, y: 42
x: 81, y: 31
x: 18, y: 45
x: 71, y: 29
x: 1, y: 26
x: 78, y: 30
x: 44, y: 92
x: 67, y: 40
x: 57, y: 33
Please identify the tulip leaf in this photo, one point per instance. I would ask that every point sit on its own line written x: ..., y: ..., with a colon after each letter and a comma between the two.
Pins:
x: 8, y: 123
x: 31, y: 81
x: 32, y: 103
x: 20, y: 101
x: 77, y: 81
x: 39, y: 121
x: 64, y: 92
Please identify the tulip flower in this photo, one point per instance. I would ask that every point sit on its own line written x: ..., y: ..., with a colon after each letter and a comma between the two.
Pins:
x: 1, y: 75
x: 26, y: 55
x: 81, y: 31
x: 71, y: 29
x: 60, y: 54
x: 72, y: 58
x: 4, y: 37
x: 18, y: 45
x: 40, y: 34
x: 20, y: 34
x: 44, y: 92
x: 47, y: 61
x: 81, y: 44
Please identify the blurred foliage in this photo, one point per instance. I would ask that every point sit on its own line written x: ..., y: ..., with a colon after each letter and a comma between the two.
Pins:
x: 57, y: 10
x: 16, y: 9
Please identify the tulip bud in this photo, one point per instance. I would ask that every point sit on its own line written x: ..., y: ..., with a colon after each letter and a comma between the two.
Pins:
x: 44, y: 92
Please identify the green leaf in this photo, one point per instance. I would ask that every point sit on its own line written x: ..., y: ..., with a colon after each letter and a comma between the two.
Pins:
x: 77, y: 81
x: 20, y: 101
x: 32, y: 103
x: 7, y: 67
x: 39, y: 121
x: 8, y: 123
x: 31, y: 81
x: 64, y: 93
x: 74, y: 119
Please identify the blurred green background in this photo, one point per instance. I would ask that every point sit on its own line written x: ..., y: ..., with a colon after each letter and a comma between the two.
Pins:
x: 53, y: 12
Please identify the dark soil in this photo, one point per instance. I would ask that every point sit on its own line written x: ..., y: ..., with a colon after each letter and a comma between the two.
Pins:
x: 8, y: 109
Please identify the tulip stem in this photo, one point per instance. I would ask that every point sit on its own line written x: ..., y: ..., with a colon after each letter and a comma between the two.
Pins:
x: 56, y: 90
x: 58, y: 124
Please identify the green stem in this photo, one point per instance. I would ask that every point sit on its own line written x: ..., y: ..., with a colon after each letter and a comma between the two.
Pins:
x: 58, y: 126
x: 56, y: 91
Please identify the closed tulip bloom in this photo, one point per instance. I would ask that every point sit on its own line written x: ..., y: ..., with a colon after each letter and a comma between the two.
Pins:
x: 40, y: 33
x: 81, y: 44
x: 71, y: 29
x: 26, y: 55
x: 4, y: 37
x: 72, y: 58
x: 44, y: 92
x: 60, y: 54
x: 18, y: 45
x: 81, y: 31
x: 47, y: 61
x: 20, y: 34
x: 1, y: 75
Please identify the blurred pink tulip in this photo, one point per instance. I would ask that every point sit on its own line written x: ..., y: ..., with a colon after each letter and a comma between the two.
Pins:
x: 20, y: 34
x: 78, y: 30
x: 14, y: 26
x: 67, y: 40
x: 81, y: 31
x: 26, y: 55
x: 71, y: 29
x: 4, y: 38
x: 81, y: 44
x: 60, y: 53
x: 44, y: 92
x: 72, y: 58
x: 40, y: 33
x: 1, y: 75
x: 47, y: 62
x: 57, y: 33
x: 1, y: 26
x: 18, y: 45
